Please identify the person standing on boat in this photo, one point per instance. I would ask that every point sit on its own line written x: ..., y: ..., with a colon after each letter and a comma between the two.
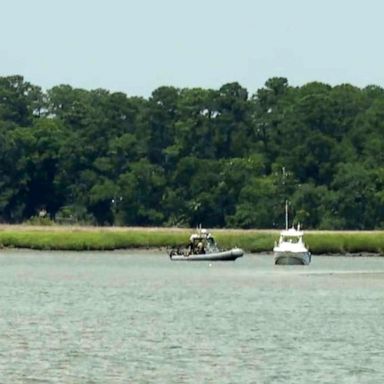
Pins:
x: 192, y: 245
x: 200, y: 247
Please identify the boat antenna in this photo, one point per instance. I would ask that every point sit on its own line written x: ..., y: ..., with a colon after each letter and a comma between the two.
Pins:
x: 286, y: 214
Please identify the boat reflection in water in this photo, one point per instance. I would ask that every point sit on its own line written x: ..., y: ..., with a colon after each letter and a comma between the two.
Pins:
x: 203, y: 247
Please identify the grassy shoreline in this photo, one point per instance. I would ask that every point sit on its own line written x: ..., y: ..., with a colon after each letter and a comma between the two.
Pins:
x: 110, y: 238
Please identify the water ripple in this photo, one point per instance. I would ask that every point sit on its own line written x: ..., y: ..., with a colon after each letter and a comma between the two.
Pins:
x: 126, y: 318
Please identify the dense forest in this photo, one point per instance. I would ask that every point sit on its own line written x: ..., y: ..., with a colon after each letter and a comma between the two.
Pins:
x: 222, y: 158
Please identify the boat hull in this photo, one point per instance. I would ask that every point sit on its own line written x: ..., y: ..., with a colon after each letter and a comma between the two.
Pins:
x: 229, y: 255
x: 292, y: 258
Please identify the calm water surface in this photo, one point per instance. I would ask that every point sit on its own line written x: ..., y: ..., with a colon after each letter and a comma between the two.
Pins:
x: 136, y: 317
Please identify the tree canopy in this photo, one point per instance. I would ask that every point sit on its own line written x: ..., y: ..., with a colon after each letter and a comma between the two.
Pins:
x: 222, y: 158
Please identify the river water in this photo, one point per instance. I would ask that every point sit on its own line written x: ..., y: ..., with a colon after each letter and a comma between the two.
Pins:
x: 137, y: 317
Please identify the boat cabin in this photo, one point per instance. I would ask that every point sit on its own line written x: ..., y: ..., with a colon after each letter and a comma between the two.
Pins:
x: 291, y: 235
x: 202, y: 242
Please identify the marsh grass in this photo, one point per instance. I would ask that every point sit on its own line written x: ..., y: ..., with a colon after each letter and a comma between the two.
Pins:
x: 250, y: 241
x: 346, y: 242
x: 93, y: 238
x: 89, y: 240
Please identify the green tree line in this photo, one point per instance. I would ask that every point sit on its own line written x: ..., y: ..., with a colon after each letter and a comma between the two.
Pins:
x: 182, y: 157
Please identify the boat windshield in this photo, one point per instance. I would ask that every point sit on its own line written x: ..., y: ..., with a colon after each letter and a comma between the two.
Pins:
x: 291, y: 239
x: 291, y: 236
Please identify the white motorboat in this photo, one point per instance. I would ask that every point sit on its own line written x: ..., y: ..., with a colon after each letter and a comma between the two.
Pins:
x: 290, y: 249
x: 202, y: 247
